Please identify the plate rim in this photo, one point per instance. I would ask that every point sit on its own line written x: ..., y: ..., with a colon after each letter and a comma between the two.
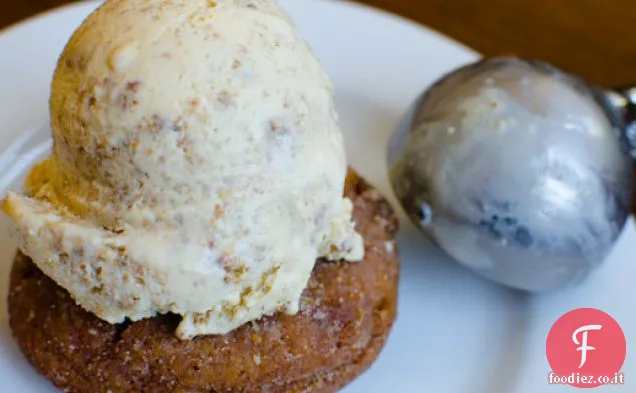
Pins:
x: 38, y: 17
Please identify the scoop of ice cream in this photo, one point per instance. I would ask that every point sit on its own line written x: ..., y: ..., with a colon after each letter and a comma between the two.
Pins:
x: 197, y: 168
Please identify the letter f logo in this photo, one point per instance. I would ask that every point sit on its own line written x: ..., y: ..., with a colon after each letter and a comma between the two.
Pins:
x: 583, y: 344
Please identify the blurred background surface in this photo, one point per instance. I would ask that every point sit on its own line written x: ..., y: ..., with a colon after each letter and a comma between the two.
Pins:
x: 594, y: 38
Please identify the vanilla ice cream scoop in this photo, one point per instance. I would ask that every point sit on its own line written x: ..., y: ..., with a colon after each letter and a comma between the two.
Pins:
x: 198, y: 167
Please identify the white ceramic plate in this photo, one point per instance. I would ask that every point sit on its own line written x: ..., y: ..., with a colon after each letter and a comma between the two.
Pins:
x: 455, y: 332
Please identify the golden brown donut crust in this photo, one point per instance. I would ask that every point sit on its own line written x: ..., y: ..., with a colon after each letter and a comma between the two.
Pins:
x: 347, y: 312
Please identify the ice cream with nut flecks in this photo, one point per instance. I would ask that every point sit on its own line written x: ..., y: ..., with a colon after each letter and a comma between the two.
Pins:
x: 197, y: 168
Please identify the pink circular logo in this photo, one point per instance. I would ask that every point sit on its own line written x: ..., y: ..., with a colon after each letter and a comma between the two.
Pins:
x: 586, y: 348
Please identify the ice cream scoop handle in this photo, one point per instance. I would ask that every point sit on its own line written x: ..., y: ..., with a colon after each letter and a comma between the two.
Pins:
x: 623, y: 100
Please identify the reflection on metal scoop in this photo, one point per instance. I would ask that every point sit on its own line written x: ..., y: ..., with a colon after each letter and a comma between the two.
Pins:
x: 518, y: 171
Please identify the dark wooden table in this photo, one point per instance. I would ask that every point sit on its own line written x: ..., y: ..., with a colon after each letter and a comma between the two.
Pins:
x: 592, y: 37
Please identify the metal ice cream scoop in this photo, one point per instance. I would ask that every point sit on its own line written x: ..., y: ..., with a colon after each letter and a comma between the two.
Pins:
x: 517, y: 170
